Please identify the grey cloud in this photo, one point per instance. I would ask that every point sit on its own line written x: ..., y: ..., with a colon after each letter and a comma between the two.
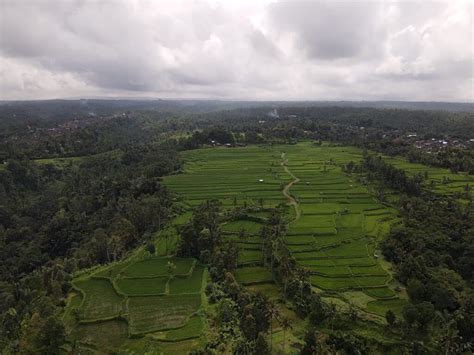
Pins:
x: 262, y: 44
x: 284, y: 50
x: 330, y: 30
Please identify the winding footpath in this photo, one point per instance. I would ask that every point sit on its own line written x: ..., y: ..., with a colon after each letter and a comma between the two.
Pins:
x: 288, y: 186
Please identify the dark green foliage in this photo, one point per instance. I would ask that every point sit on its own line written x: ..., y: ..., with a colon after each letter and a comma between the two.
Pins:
x: 261, y: 345
x: 390, y: 317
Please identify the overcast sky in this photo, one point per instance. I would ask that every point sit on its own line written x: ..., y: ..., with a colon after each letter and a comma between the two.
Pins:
x: 262, y: 50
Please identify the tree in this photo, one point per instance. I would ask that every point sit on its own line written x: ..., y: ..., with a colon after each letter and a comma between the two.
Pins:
x: 167, y: 237
x: 249, y: 327
x: 285, y: 324
x: 51, y: 336
x: 273, y: 313
x: 410, y: 314
x: 390, y: 317
x: 170, y: 267
x: 150, y: 248
x: 310, y: 342
x: 261, y: 345
x: 426, y: 314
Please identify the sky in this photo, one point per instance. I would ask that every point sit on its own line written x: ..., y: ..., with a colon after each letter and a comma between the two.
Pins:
x: 237, y: 49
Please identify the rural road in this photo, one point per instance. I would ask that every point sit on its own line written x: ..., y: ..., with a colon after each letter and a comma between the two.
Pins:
x: 288, y: 186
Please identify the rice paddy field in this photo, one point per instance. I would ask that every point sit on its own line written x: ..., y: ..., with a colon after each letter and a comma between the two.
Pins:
x: 335, y: 223
x: 250, y: 176
x: 140, y: 300
x: 443, y: 180
x: 334, y: 228
x: 341, y: 223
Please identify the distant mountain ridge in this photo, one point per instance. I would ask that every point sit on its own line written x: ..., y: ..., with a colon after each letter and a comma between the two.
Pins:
x: 210, y: 105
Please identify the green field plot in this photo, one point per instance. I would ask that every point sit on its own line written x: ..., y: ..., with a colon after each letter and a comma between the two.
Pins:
x: 342, y: 271
x: 142, y: 286
x: 334, y: 238
x: 299, y: 239
x: 371, y: 280
x: 250, y: 175
x: 247, y: 239
x: 192, y: 329
x: 150, y: 314
x: 249, y: 227
x: 333, y: 283
x: 382, y: 306
x: 190, y: 284
x: 302, y: 248
x: 320, y: 208
x: 317, y: 262
x: 349, y: 221
x: 306, y: 224
x: 380, y: 292
x: 374, y: 270
x: 112, y: 271
x: 252, y: 275
x: 363, y: 261
x: 129, y: 300
x: 310, y: 255
x: 102, y: 335
x: 157, y: 267
x: 324, y: 241
x: 250, y: 256
x: 352, y: 249
x: 100, y: 300
x: 444, y: 181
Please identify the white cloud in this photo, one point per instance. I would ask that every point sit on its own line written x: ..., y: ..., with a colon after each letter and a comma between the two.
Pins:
x: 237, y: 49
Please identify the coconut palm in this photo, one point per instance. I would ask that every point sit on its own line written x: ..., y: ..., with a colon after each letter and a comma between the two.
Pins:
x: 285, y: 324
x: 274, y: 313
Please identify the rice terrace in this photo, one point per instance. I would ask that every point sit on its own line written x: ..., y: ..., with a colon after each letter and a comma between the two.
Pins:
x: 334, y: 225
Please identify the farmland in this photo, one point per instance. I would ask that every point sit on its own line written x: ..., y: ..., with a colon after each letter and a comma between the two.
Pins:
x: 442, y: 180
x: 335, y: 222
x: 142, y: 299
x: 341, y: 224
x: 334, y: 228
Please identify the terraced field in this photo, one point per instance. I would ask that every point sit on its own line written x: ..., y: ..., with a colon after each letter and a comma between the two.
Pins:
x: 336, y: 223
x: 443, y: 180
x: 340, y: 225
x: 335, y: 226
x: 250, y: 176
x: 156, y: 297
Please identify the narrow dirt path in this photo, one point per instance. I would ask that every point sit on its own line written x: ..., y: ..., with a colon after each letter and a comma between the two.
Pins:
x: 288, y: 186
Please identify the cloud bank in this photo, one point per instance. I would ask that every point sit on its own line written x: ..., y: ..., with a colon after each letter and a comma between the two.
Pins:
x: 262, y: 50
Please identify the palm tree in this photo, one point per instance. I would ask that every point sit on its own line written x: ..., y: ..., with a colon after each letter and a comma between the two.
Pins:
x: 302, y: 275
x: 285, y: 324
x: 273, y: 312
